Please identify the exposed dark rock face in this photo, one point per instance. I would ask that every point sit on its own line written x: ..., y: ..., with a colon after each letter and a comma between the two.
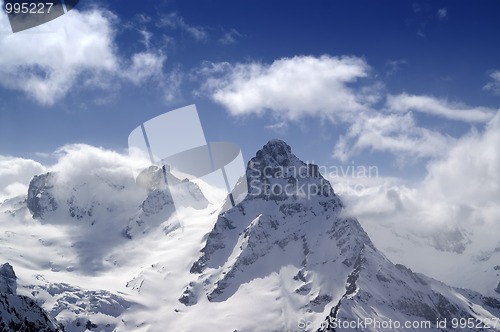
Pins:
x: 8, y: 284
x: 20, y: 313
x: 40, y: 198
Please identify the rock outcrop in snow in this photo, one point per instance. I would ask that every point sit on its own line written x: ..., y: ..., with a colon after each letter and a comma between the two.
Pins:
x: 160, y: 202
x: 20, y: 313
x: 8, y: 283
x: 40, y: 199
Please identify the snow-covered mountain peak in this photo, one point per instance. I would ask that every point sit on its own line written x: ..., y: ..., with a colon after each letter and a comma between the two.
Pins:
x: 276, y: 153
x: 276, y: 173
x: 290, y: 234
x: 277, y: 160
x: 182, y: 192
x: 290, y: 208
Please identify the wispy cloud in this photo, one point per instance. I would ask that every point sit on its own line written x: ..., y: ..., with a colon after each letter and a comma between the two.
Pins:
x: 171, y: 84
x: 397, y: 134
x: 176, y: 22
x: 230, y: 37
x: 425, y: 15
x: 404, y: 102
x: 146, y: 38
x: 442, y: 13
x: 144, y: 65
x: 393, y: 66
x: 416, y: 7
x: 494, y: 85
x: 278, y: 127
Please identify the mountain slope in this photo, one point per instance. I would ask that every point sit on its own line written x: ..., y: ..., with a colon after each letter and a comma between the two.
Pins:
x: 332, y: 264
x: 21, y: 313
x: 112, y: 255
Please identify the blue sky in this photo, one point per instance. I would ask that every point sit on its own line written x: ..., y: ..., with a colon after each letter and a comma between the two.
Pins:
x: 395, y: 84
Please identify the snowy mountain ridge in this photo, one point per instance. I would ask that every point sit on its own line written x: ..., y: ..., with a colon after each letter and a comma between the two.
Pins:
x: 112, y: 255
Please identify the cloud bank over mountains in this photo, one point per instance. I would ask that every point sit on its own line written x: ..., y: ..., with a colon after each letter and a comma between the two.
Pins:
x: 456, y: 192
x: 456, y: 195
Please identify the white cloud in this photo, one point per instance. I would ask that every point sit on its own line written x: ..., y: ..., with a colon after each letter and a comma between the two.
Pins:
x: 459, y: 192
x: 171, y: 84
x: 78, y: 161
x: 146, y: 37
x: 470, y: 173
x: 333, y: 88
x: 291, y: 87
x: 494, y: 85
x: 145, y: 65
x: 77, y: 50
x: 44, y: 62
x: 15, y: 175
x: 176, y: 22
x: 390, y: 133
x: 278, y: 127
x: 97, y: 172
x: 404, y: 102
